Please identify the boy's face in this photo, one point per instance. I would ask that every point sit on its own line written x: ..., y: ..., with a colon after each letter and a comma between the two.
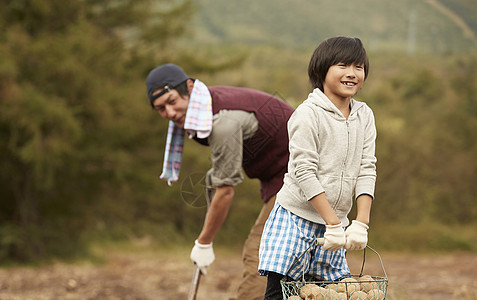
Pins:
x: 343, y: 81
x: 172, y: 106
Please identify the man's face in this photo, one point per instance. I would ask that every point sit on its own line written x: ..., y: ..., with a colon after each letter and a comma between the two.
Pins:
x: 172, y: 106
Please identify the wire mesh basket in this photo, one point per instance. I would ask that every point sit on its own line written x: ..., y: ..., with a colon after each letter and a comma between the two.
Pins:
x: 350, y: 287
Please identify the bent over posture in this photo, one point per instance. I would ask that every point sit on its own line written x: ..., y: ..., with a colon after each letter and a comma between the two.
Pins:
x: 245, y: 129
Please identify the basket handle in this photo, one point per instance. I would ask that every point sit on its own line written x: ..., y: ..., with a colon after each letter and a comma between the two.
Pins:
x: 317, y: 242
x: 321, y: 241
x: 379, y: 257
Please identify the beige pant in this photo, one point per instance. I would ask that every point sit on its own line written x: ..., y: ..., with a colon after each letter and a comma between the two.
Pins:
x: 252, y: 286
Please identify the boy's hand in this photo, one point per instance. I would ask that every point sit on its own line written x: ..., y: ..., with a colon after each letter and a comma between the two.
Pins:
x: 335, y: 237
x: 202, y: 256
x: 356, y: 236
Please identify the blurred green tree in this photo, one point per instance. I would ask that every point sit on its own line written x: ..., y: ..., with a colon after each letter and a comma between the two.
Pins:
x: 71, y: 92
x: 426, y: 145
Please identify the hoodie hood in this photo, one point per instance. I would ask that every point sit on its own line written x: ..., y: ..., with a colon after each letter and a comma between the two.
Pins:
x: 317, y: 97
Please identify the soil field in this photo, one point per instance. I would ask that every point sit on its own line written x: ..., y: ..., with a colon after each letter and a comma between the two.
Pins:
x: 166, y: 275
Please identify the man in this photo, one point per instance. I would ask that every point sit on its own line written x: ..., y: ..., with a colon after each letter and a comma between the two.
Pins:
x: 246, y: 129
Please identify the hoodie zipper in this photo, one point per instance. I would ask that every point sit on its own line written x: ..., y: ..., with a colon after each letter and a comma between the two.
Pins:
x: 343, y: 166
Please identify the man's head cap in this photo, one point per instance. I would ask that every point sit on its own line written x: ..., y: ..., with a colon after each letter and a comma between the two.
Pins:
x: 167, y: 76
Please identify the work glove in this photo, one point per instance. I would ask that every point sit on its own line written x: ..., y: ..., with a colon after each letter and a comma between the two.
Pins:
x: 356, y: 236
x: 203, y: 256
x: 335, y: 237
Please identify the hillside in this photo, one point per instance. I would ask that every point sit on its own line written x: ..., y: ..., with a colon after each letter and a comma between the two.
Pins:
x: 421, y: 27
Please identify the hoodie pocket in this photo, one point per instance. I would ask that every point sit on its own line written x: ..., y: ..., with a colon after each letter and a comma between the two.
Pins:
x: 345, y: 200
x: 331, y: 185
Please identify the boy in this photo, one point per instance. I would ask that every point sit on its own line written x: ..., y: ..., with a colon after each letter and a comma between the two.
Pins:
x: 331, y: 144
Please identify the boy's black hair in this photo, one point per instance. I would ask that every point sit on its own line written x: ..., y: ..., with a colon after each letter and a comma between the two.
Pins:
x: 347, y: 50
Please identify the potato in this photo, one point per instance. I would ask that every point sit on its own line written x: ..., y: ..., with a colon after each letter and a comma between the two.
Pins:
x: 305, y: 291
x: 365, y: 278
x: 375, y: 294
x: 348, y: 285
x: 367, y: 283
x: 341, y: 287
x: 294, y: 298
x: 332, y: 286
x: 318, y: 293
x: 309, y: 291
x: 330, y: 294
x: 342, y: 296
x: 358, y: 295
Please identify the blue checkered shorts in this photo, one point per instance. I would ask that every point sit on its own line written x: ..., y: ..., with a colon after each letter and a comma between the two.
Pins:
x: 285, y: 237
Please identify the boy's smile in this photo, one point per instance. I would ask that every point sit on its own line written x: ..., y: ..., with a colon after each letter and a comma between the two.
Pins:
x: 343, y: 81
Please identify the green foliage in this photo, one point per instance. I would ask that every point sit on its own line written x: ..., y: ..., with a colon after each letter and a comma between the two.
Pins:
x: 72, y: 106
x: 424, y: 145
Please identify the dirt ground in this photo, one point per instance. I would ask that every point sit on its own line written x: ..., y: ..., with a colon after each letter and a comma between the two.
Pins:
x: 167, y: 275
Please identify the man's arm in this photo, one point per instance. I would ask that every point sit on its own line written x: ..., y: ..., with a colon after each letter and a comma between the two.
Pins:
x: 217, y: 213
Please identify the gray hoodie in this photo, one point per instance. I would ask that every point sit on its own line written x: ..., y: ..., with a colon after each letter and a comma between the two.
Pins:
x: 331, y: 154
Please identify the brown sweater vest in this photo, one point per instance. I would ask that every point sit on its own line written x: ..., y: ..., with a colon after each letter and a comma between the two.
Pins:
x: 265, y: 155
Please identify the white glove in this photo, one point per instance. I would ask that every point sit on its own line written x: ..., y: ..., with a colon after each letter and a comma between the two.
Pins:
x: 356, y: 236
x: 335, y: 237
x: 203, y: 256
